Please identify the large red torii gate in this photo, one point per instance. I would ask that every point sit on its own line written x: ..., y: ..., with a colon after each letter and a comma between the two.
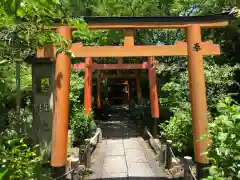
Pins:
x: 194, y: 48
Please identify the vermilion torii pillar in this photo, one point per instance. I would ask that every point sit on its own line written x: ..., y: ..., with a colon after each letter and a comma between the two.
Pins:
x: 99, y: 91
x: 88, y: 86
x: 198, y: 95
x: 61, y: 104
x: 153, y: 94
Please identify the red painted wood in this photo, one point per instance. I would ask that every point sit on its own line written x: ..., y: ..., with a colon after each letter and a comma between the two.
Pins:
x: 78, y: 66
x: 153, y: 89
x: 99, y: 90
x: 179, y: 49
x: 118, y: 76
x: 112, y: 66
x: 121, y: 66
x: 88, y: 86
x: 61, y: 104
x: 197, y: 89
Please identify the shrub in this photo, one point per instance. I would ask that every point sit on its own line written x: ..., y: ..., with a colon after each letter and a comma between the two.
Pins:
x: 224, y: 151
x: 141, y: 112
x: 18, y: 160
x: 138, y: 110
x: 179, y: 129
x: 82, y: 127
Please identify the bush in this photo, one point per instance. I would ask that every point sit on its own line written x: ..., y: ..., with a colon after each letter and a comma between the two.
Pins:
x: 138, y: 111
x: 179, y: 129
x: 82, y: 127
x: 224, y: 151
x: 18, y: 160
x: 141, y: 112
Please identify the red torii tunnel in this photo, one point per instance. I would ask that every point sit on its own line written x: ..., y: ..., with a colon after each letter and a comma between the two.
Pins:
x: 100, y: 76
x: 118, y: 66
x: 193, y: 48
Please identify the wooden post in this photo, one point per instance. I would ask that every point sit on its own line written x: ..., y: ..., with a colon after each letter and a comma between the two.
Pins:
x: 99, y: 90
x: 87, y: 158
x: 120, y: 60
x: 129, y: 38
x: 75, y: 166
x: 162, y: 155
x: 61, y: 104
x: 153, y: 94
x: 81, y: 154
x: 139, y: 90
x: 169, y: 155
x: 187, y: 165
x: 198, y: 96
x: 129, y: 42
x: 88, y: 86
x: 99, y: 138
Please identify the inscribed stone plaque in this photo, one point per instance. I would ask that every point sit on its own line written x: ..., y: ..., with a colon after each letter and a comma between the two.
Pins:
x: 43, y: 84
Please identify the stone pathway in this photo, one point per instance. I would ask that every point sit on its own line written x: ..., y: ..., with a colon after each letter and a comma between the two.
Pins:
x: 123, y: 154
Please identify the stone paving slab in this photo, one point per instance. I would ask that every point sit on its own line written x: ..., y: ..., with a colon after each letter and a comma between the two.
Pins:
x: 97, y: 160
x: 114, y: 141
x: 151, y: 156
x: 139, y: 170
x: 114, y: 175
x: 114, y: 150
x: 133, y: 164
x: 131, y: 143
x: 114, y: 164
x: 135, y: 155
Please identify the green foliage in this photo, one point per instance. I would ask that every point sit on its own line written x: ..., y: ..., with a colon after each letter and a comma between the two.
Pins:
x: 219, y: 79
x: 76, y: 90
x: 22, y: 30
x: 224, y: 150
x: 142, y: 112
x: 79, y: 123
x: 82, y: 126
x: 139, y: 111
x: 18, y: 160
x: 179, y: 129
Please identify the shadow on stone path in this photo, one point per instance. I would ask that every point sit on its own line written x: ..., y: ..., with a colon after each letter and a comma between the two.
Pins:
x: 123, y: 154
x: 118, y: 125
